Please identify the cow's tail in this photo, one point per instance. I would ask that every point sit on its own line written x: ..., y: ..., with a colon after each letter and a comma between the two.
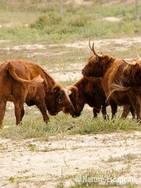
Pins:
x: 13, y: 74
x: 118, y: 87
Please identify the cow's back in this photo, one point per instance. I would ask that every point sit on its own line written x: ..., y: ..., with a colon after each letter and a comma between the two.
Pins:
x: 9, y: 87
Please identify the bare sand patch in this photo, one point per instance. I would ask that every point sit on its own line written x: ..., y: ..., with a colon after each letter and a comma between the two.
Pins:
x: 112, y: 19
x: 124, y: 43
x: 55, y: 158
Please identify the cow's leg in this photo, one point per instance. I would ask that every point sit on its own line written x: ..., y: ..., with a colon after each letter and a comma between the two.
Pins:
x: 132, y: 112
x: 43, y: 110
x: 126, y: 110
x: 22, y: 114
x: 136, y: 105
x: 2, y: 111
x: 20, y: 95
x: 113, y: 108
x: 138, y: 108
x: 94, y: 112
x: 18, y: 111
x: 104, y: 113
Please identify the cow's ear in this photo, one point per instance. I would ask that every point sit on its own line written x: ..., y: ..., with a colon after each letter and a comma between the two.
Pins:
x: 38, y: 79
x: 73, y: 91
x: 106, y: 58
x: 56, y: 89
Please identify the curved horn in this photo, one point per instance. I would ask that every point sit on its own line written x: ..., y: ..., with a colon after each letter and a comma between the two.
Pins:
x: 92, y: 48
x: 68, y: 98
x: 69, y: 92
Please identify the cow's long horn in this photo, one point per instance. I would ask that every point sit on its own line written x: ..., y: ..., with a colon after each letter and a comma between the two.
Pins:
x: 69, y: 92
x: 92, y: 48
x: 67, y: 95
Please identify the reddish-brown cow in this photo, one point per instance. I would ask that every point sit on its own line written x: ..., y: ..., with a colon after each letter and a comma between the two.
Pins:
x: 19, y: 83
x: 110, y: 69
x: 89, y: 92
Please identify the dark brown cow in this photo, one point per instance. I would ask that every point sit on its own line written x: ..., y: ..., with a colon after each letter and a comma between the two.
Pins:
x: 89, y: 92
x: 19, y: 83
x: 110, y: 69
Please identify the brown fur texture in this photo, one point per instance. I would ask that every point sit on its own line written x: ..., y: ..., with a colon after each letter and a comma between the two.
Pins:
x: 110, y: 70
x: 131, y: 76
x: 89, y: 92
x: 18, y: 84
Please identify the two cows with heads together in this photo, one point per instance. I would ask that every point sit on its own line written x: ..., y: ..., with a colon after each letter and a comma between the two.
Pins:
x: 106, y: 81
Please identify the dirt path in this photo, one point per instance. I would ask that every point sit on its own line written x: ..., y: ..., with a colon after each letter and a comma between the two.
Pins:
x: 32, y: 163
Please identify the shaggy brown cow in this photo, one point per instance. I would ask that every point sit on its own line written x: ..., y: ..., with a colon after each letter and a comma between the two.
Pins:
x: 132, y: 74
x: 19, y: 83
x: 110, y: 69
x: 88, y: 92
x: 130, y: 83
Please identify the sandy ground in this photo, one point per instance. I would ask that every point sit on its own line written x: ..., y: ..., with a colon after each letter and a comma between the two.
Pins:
x: 118, y: 44
x: 56, y: 159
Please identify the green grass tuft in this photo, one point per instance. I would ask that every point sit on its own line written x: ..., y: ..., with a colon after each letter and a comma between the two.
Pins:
x: 65, y: 125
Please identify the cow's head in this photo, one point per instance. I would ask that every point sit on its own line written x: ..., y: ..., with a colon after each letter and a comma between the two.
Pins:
x: 97, y: 64
x: 77, y: 100
x: 58, y: 100
x: 132, y: 73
